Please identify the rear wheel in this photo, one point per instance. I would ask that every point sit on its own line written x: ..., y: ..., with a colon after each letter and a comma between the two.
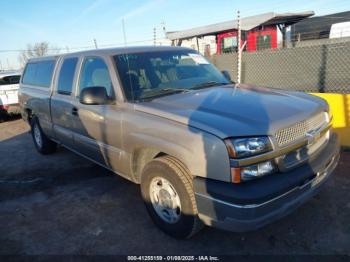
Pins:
x: 167, y: 190
x: 42, y: 143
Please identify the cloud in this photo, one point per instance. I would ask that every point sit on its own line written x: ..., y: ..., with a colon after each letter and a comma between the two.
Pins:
x: 141, y: 9
x: 89, y: 9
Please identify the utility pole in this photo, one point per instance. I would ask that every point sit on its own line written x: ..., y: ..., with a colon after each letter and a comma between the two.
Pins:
x: 95, y: 43
x: 124, y: 33
x: 154, y: 36
x: 163, y: 30
x: 239, y: 59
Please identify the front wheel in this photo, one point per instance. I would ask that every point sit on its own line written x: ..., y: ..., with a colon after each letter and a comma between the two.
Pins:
x: 167, y: 190
x: 42, y: 143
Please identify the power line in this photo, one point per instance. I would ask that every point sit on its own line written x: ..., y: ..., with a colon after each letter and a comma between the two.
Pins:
x: 150, y: 41
x: 85, y: 47
x: 246, y: 13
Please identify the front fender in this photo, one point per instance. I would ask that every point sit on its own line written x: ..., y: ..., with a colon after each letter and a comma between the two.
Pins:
x: 204, y: 154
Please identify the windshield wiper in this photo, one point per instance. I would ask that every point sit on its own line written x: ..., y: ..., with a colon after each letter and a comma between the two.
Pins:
x: 163, y: 92
x: 208, y: 84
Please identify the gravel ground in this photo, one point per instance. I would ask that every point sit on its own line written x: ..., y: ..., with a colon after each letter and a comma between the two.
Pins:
x: 63, y: 204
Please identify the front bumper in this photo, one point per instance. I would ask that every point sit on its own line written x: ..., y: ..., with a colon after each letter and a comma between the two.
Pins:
x: 249, y: 206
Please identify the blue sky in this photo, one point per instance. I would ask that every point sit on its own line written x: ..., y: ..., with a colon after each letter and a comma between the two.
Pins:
x: 75, y: 23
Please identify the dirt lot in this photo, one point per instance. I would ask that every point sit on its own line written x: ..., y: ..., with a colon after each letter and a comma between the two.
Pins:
x: 63, y: 204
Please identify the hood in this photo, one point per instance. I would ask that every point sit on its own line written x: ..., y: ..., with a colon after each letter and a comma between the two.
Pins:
x: 235, y: 110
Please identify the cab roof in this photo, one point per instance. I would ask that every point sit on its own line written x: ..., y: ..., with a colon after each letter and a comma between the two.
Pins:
x: 113, y: 51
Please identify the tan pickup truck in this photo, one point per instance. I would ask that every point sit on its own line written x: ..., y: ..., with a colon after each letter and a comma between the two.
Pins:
x: 203, y: 149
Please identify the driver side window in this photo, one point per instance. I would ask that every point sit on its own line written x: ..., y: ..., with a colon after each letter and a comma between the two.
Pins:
x: 94, y: 72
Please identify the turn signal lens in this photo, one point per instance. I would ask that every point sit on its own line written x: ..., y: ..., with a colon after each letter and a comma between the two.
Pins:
x: 235, y: 175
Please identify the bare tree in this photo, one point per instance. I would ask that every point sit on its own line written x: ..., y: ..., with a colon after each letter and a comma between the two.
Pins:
x: 36, y: 50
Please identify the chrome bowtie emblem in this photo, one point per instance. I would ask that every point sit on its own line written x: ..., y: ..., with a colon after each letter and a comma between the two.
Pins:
x: 312, y: 136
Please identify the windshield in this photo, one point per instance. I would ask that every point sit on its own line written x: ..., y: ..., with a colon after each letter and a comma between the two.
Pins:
x: 154, y: 74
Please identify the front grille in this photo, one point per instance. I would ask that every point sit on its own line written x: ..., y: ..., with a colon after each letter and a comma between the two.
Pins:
x: 302, y: 154
x: 299, y: 130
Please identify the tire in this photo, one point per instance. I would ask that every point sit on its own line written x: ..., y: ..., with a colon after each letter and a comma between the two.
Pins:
x: 42, y: 143
x: 171, y: 176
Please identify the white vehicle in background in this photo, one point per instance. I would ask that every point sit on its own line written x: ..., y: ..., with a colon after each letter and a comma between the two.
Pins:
x: 9, y: 85
x: 340, y: 30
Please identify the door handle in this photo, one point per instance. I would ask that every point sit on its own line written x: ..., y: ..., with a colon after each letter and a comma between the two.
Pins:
x: 75, y: 111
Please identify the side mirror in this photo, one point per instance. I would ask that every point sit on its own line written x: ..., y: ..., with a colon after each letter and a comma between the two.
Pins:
x: 95, y: 95
x: 226, y: 75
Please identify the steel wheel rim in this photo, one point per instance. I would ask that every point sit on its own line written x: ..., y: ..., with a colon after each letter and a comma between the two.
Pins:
x: 37, y: 136
x: 165, y: 200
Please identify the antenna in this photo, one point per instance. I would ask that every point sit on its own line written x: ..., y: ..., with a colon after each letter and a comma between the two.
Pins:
x: 154, y: 36
x: 124, y: 33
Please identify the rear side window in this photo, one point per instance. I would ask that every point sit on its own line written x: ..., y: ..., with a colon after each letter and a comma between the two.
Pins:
x: 39, y: 73
x: 10, y: 80
x: 66, y: 76
x: 29, y: 74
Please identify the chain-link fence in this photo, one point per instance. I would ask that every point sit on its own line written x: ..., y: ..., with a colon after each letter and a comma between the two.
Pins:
x: 313, y: 66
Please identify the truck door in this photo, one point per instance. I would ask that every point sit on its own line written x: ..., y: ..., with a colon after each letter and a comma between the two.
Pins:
x: 62, y: 101
x: 97, y: 127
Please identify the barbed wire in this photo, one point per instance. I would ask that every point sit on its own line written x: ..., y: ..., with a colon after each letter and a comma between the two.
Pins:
x: 340, y: 4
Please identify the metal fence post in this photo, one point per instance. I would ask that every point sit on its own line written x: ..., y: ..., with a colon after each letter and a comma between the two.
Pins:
x: 239, y: 59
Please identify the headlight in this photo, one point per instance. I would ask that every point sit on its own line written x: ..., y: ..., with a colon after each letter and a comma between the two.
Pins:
x: 245, y: 147
x: 252, y: 172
